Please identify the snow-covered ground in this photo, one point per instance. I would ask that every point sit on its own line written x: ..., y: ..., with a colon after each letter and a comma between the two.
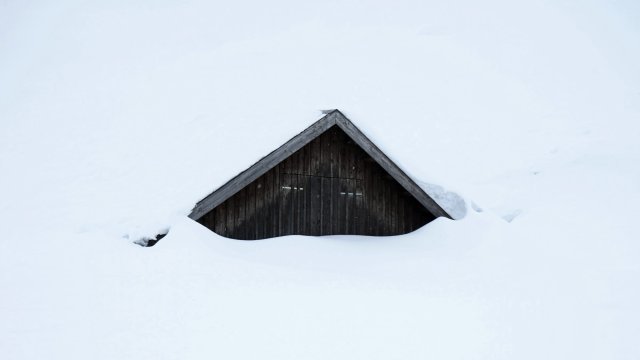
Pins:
x: 116, y: 117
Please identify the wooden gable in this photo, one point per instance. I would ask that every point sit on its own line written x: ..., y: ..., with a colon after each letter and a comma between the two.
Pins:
x: 330, y: 179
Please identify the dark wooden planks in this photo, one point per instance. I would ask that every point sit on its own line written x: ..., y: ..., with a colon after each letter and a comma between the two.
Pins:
x: 328, y: 124
x: 329, y: 186
x: 315, y: 206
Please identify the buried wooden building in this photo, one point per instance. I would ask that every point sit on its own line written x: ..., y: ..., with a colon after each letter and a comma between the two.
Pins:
x: 328, y: 180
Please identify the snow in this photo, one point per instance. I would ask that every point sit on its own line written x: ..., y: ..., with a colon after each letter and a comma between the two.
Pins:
x: 523, y: 117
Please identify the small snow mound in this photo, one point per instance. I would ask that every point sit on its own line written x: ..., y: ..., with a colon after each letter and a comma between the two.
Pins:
x: 476, y: 207
x: 509, y: 217
x: 450, y: 201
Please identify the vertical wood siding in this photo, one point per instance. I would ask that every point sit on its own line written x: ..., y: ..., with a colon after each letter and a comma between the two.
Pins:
x: 328, y: 187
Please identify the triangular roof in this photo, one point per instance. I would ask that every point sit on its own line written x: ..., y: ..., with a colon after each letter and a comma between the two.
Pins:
x: 334, y: 117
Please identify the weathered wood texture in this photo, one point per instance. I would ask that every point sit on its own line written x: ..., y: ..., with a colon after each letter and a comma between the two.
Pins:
x: 329, y: 186
x: 333, y: 118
